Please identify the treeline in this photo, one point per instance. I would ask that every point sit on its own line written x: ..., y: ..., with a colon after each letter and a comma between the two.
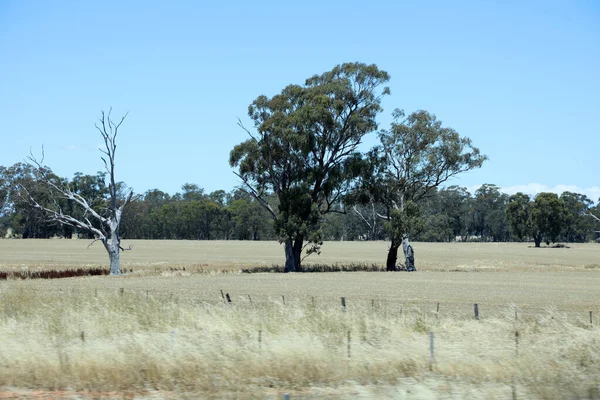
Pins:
x: 448, y: 214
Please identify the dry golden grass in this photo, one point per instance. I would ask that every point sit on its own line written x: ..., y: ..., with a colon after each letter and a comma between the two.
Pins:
x: 162, y: 344
x: 169, y: 334
x: 233, y: 255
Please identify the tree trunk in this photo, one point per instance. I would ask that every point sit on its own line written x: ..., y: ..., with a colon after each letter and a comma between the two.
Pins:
x: 113, y: 248
x: 293, y: 253
x: 392, y: 256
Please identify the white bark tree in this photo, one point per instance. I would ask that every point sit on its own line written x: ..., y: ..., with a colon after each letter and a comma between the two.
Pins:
x: 106, y: 229
x: 596, y: 218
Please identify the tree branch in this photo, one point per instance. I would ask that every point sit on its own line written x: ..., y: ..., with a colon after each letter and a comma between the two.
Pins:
x: 363, y: 218
x: 254, y: 193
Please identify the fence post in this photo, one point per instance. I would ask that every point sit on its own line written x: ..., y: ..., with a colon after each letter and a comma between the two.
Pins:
x: 223, y: 295
x: 228, y: 297
x: 259, y: 340
x: 476, y: 310
x: 437, y: 311
x: 82, y: 336
x: 250, y: 298
x: 431, y: 351
x: 591, y: 321
x: 349, y: 338
x: 283, y: 299
x: 343, y: 304
x: 514, y: 382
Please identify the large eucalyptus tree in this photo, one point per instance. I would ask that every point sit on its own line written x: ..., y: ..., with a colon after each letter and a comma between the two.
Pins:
x: 304, y: 150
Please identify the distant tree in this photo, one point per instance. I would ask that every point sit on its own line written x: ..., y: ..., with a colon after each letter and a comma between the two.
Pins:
x: 5, y: 201
x: 577, y: 226
x: 455, y: 201
x: 415, y: 157
x: 109, y: 220
x: 25, y: 220
x: 548, y: 217
x: 250, y: 219
x: 518, y: 212
x: 305, y: 148
x: 436, y: 220
x: 490, y: 220
x: 595, y: 214
x: 191, y: 191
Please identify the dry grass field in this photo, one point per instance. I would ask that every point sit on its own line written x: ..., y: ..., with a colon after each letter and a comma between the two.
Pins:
x: 162, y: 331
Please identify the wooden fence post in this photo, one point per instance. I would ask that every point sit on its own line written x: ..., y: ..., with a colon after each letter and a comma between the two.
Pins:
x: 349, y: 338
x: 343, y: 304
x: 476, y: 310
x: 259, y: 340
x: 431, y: 351
x: 228, y: 297
x: 591, y: 320
x: 514, y: 382
x: 437, y: 311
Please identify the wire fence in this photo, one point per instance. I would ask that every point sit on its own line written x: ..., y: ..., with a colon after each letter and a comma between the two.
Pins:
x: 440, y: 347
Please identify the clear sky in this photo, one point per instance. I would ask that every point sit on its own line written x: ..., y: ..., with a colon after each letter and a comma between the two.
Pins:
x: 520, y: 78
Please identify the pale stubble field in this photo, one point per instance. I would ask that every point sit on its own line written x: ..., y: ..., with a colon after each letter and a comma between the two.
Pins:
x: 168, y: 332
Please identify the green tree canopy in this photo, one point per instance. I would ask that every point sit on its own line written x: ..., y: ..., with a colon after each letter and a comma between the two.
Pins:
x: 518, y: 213
x: 304, y: 149
x: 417, y: 154
x: 547, y: 217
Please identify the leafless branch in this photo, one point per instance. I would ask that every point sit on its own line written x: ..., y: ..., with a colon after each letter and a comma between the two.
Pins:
x: 593, y: 216
x: 241, y: 125
x: 93, y: 241
x: 254, y: 193
x: 384, y: 217
x: 363, y: 218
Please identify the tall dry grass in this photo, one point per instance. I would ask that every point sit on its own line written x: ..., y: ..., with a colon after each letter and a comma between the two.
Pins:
x: 140, y: 342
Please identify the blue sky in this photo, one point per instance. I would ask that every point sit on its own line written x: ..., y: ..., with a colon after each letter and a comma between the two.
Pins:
x: 521, y: 79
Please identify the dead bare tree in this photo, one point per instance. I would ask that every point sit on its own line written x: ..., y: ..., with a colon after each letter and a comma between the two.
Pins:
x: 106, y: 230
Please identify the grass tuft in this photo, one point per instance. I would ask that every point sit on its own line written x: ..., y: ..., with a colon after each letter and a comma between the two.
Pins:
x: 54, y: 273
x: 318, y: 267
